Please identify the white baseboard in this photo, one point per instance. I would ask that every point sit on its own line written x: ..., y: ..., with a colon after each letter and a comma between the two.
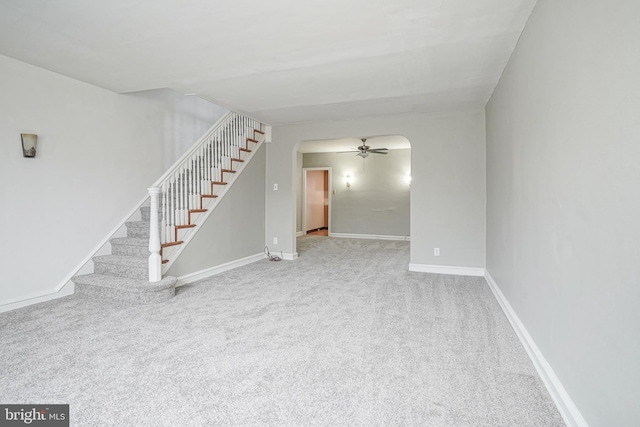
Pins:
x: 563, y: 401
x: 212, y: 271
x: 289, y: 257
x: 369, y: 236
x: 447, y: 269
x: 299, y: 233
x: 63, y: 291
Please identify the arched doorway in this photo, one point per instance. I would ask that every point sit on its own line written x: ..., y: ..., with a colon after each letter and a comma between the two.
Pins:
x: 369, y: 196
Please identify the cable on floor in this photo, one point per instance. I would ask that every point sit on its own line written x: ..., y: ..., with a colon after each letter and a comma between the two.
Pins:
x: 272, y: 257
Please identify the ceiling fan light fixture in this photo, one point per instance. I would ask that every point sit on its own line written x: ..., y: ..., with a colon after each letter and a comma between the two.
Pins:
x: 363, y: 154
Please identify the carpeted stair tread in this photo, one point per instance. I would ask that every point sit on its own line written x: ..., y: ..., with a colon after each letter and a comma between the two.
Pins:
x: 132, y: 291
x: 145, y: 212
x: 131, y: 261
x: 130, y: 246
x: 131, y: 266
x: 130, y: 241
x: 138, y: 229
x: 148, y: 208
x: 137, y: 224
x: 124, y: 283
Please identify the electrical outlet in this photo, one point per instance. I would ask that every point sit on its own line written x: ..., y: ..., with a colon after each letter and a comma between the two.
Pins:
x: 275, y: 240
x: 436, y: 251
x: 275, y: 187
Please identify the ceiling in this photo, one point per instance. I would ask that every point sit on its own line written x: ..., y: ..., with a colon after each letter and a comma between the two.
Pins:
x: 280, y: 61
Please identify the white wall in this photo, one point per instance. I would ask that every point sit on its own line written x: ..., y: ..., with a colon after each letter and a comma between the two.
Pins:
x: 377, y: 202
x: 184, y: 120
x: 563, y: 198
x: 97, y: 154
x: 447, y: 191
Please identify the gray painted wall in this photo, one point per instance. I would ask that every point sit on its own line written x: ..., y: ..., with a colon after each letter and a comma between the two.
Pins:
x: 184, y: 120
x: 235, y: 229
x: 447, y: 190
x: 377, y: 201
x: 563, y: 198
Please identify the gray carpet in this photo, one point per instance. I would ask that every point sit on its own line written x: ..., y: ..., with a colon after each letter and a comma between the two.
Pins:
x: 342, y: 336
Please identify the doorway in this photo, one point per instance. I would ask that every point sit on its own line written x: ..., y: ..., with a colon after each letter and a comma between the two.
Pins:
x: 316, y: 201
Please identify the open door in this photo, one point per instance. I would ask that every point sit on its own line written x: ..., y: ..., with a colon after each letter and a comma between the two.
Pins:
x: 317, y: 199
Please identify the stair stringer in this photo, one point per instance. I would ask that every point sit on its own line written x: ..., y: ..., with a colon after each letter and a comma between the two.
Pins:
x: 172, y: 253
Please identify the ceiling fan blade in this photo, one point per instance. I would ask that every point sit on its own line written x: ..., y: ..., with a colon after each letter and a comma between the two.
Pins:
x: 378, y: 150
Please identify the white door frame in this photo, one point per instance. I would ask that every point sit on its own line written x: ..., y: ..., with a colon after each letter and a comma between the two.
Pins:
x: 304, y: 196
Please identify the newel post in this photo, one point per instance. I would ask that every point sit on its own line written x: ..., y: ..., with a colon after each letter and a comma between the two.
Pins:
x: 155, y: 260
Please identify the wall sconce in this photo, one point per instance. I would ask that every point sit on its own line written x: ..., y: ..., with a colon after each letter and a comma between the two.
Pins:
x: 407, y: 179
x: 29, y: 143
x: 348, y: 180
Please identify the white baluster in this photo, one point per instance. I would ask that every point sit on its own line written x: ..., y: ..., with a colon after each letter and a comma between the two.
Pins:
x: 187, y: 191
x: 191, y: 187
x: 208, y: 167
x: 195, y: 183
x: 236, y: 149
x: 172, y: 227
x: 176, y: 203
x: 198, y: 176
x: 226, y: 148
x: 163, y: 220
x: 206, y: 181
x: 201, y: 171
x: 183, y: 197
x: 219, y: 158
x: 205, y: 159
x: 187, y: 195
x: 232, y: 131
x: 168, y: 214
x: 214, y: 160
x: 217, y: 162
x: 223, y: 150
x: 236, y: 140
x: 178, y: 199
x: 155, y: 260
x: 223, y: 164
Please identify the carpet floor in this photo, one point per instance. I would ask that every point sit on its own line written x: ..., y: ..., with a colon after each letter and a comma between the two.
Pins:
x: 344, y: 335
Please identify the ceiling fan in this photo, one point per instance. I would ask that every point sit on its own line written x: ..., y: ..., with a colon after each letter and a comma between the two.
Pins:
x: 364, y: 150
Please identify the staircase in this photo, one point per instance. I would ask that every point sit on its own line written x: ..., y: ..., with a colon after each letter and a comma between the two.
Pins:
x: 179, y: 201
